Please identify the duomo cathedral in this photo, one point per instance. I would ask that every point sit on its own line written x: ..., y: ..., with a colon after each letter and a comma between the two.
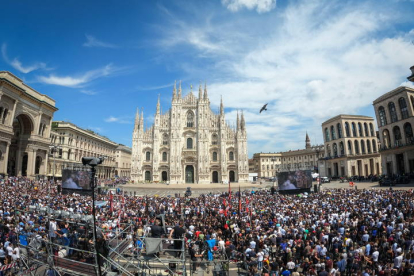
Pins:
x: 189, y: 144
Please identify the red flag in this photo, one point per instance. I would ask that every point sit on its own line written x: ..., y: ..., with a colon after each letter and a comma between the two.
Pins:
x: 240, y: 205
x: 224, y: 202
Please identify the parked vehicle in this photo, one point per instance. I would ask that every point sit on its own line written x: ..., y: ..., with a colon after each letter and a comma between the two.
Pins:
x: 325, y: 179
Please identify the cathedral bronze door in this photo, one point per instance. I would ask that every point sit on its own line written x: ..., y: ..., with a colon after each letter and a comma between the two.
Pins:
x: 232, y: 176
x: 215, y: 177
x: 189, y: 174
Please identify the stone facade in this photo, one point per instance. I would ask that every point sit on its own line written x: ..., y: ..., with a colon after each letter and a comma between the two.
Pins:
x: 351, y: 147
x: 25, y: 123
x: 269, y: 164
x: 395, y: 117
x: 71, y: 143
x: 123, y: 161
x: 189, y: 144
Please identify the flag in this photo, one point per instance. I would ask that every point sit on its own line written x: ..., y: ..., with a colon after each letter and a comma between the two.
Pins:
x: 240, y: 205
x: 247, y: 205
x: 111, y: 203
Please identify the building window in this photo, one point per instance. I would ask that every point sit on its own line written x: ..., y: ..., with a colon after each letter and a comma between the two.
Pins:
x: 368, y: 146
x: 382, y: 116
x: 361, y: 134
x: 362, y: 146
x: 397, y: 136
x: 341, y: 148
x: 347, y: 129
x: 214, y: 156
x: 165, y: 139
x: 339, y: 129
x: 371, y: 128
x: 335, y: 150
x: 328, y: 147
x: 393, y: 112
x: 164, y: 156
x: 374, y: 145
x: 366, y: 130
x: 356, y: 146
x: 333, y: 133
x: 231, y: 156
x: 189, y: 143
x: 190, y: 119
x: 408, y: 131
x: 354, y: 132
x: 403, y: 108
x: 147, y: 156
x: 214, y: 139
x: 386, y: 137
x: 327, y: 135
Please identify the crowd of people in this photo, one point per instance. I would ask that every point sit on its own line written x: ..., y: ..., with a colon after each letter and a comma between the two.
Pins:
x: 333, y: 232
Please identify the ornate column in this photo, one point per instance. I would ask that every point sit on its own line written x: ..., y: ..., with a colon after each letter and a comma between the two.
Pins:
x: 14, y: 113
x: 6, y: 158
x: 31, y: 162
x: 45, y: 162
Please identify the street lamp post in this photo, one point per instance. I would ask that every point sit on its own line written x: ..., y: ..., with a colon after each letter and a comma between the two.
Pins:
x: 53, y: 149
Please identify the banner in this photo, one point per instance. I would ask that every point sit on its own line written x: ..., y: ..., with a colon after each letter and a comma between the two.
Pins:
x: 8, y: 266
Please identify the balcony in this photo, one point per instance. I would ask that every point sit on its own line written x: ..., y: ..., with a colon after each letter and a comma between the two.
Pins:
x: 398, y: 144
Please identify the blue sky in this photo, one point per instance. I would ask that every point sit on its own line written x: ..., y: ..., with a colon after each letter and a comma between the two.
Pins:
x: 310, y: 60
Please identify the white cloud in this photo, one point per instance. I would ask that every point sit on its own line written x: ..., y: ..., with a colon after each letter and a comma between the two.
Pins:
x: 91, y: 41
x: 120, y: 120
x: 80, y: 80
x: 88, y: 92
x: 261, y: 6
x: 313, y: 61
x: 17, y: 64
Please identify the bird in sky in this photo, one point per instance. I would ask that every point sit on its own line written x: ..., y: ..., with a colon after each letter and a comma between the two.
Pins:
x: 263, y: 108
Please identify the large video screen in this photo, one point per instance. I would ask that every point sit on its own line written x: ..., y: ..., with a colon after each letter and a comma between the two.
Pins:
x: 294, y: 180
x: 76, y: 180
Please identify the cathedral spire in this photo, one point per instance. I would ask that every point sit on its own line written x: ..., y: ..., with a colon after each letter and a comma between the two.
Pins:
x: 136, y: 126
x: 175, y: 90
x: 158, y: 105
x: 141, y: 122
x: 200, y: 92
x: 243, y: 123
x: 238, y: 121
x: 205, y: 92
x: 221, y: 106
x: 179, y: 91
x: 307, y: 140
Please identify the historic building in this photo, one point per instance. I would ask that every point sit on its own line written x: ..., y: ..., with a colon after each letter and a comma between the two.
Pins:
x: 395, y: 117
x: 123, y: 161
x: 25, y: 124
x: 189, y: 144
x: 69, y: 143
x: 269, y: 164
x: 351, y: 147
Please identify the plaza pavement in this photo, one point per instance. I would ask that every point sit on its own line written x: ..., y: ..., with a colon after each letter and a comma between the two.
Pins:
x: 153, y: 189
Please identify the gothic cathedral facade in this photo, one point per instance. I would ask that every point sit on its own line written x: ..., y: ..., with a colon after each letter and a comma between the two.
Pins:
x: 189, y: 144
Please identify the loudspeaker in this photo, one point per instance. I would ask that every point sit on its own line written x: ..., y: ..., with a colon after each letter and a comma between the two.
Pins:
x: 315, y: 188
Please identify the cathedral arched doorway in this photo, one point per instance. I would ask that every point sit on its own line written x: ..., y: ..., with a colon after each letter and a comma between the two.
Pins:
x: 38, y: 164
x: 164, y: 176
x: 232, y: 176
x: 189, y: 174
x: 24, y: 164
x: 215, y: 177
x: 147, y: 176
